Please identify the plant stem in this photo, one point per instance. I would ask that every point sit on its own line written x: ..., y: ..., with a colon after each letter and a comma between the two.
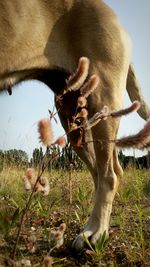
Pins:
x: 40, y: 172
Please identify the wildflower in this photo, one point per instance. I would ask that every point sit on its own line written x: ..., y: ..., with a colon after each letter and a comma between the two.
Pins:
x: 39, y: 187
x: 55, y: 216
x: 97, y: 117
x: 81, y: 102
x: 83, y: 113
x: 61, y: 141
x: 92, y: 121
x: 134, y: 107
x: 48, y: 261
x: 104, y: 113
x: 140, y: 140
x: 45, y: 132
x: 52, y: 235
x: 146, y: 129
x: 62, y: 227
x: 59, y: 237
x: 44, y: 181
x: 90, y: 86
x: 45, y: 184
x: 73, y: 126
x: 31, y: 244
x: 25, y: 262
x: 27, y: 183
x: 76, y: 80
x: 29, y: 173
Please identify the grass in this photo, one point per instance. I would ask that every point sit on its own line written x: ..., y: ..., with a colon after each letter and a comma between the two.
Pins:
x: 70, y: 201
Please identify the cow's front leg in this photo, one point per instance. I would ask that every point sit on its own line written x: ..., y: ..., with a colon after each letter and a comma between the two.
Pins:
x: 93, y: 147
x: 99, y: 157
x: 107, y: 184
x: 98, y: 223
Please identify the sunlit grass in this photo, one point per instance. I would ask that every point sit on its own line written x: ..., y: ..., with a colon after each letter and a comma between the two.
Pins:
x: 70, y: 201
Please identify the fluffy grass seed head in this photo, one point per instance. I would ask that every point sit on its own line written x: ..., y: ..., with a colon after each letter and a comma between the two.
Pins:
x: 48, y: 261
x: 76, y: 80
x: 61, y: 141
x: 45, y: 183
x: 105, y: 112
x: 39, y: 187
x: 27, y: 184
x: 90, y: 86
x: 81, y: 102
x: 29, y: 173
x: 43, y: 186
x: 92, y: 121
x: 122, y: 112
x: 59, y: 237
x: 62, y: 227
x: 45, y: 131
x: 83, y: 113
x: 135, y: 105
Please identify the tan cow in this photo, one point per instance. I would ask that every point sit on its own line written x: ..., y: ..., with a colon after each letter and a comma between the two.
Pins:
x: 44, y: 39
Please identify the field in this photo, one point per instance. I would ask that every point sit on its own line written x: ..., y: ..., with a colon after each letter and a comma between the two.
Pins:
x: 70, y: 201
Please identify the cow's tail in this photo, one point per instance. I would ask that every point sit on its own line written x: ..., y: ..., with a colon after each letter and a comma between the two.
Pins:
x: 134, y: 92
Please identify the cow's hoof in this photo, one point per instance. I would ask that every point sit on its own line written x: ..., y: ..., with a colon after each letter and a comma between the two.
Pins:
x: 78, y: 243
x: 99, y: 236
x: 81, y: 239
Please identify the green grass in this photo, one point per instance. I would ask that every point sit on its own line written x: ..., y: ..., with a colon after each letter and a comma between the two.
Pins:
x: 70, y: 201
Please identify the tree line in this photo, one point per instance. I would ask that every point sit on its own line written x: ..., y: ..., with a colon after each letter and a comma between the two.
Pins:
x: 64, y: 158
x: 142, y: 162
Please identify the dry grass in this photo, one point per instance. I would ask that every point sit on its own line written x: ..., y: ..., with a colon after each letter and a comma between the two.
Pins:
x: 70, y: 201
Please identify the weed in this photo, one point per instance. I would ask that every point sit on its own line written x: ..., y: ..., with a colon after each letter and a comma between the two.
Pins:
x: 8, y: 219
x: 125, y: 195
x: 146, y: 189
x: 97, y: 248
x: 83, y: 205
x: 128, y: 234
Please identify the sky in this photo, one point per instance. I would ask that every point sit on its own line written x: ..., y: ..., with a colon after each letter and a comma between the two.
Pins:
x: 31, y: 100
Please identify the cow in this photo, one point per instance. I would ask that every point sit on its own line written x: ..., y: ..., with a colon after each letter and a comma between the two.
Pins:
x: 43, y: 40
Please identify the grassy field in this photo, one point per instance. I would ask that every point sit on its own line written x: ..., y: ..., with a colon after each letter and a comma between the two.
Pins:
x: 70, y: 202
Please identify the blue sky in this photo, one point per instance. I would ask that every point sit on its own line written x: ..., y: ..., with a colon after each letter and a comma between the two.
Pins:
x: 30, y: 101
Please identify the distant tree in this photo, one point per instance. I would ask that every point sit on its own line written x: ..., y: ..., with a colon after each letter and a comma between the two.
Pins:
x: 143, y: 162
x: 62, y: 159
x: 37, y: 156
x: 139, y: 162
x: 148, y: 159
x: 14, y: 157
x: 1, y: 160
x: 68, y: 156
x: 122, y: 158
x: 126, y: 160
